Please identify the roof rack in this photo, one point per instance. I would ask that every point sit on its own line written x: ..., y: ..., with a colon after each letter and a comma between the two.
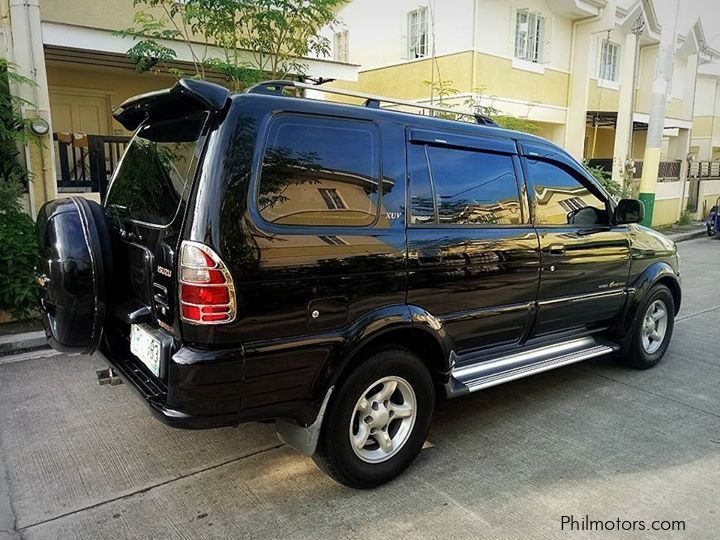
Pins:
x: 372, y: 101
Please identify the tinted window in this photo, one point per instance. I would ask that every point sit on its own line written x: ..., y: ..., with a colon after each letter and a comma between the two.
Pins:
x: 422, y: 203
x: 560, y: 197
x: 319, y: 172
x: 155, y: 171
x: 470, y: 188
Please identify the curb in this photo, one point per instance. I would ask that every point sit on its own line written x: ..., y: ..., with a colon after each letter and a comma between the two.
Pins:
x: 24, y: 341
x: 688, y: 236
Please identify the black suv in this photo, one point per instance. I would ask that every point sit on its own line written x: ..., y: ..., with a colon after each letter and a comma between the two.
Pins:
x: 335, y: 268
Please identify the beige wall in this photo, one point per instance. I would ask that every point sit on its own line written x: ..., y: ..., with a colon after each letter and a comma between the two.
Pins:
x: 113, y: 15
x: 500, y: 79
x: 468, y: 71
x: 73, y: 90
x: 601, y: 140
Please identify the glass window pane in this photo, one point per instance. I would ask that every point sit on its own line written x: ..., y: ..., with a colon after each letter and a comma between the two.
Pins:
x: 156, y: 170
x: 422, y: 209
x: 319, y: 172
x: 521, y: 25
x: 474, y: 188
x: 560, y: 198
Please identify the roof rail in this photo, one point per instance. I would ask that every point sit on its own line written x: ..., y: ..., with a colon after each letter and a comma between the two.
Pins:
x: 372, y: 101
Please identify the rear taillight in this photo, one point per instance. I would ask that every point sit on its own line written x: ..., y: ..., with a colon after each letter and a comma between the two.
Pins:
x: 207, y: 294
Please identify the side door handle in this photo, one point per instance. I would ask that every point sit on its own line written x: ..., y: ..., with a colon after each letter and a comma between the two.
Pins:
x: 556, y: 249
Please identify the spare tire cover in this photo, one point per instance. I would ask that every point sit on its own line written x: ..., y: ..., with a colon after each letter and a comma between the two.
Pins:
x: 72, y: 274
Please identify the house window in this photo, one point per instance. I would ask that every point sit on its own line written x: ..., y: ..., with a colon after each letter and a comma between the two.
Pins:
x: 332, y: 199
x: 609, y: 55
x: 529, y: 35
x: 341, y: 50
x: 417, y: 33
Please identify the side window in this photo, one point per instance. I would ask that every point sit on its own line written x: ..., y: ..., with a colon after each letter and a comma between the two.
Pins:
x: 561, y: 199
x: 422, y: 200
x: 320, y: 172
x: 466, y: 187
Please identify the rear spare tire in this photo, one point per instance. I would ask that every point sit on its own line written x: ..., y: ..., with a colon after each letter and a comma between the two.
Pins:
x: 72, y: 273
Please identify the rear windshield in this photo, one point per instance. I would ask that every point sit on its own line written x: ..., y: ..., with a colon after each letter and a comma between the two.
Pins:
x: 154, y: 174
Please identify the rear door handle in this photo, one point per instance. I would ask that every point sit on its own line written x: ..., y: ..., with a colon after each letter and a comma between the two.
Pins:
x: 556, y: 249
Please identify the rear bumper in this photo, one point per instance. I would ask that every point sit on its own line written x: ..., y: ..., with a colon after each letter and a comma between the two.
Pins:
x: 202, y: 389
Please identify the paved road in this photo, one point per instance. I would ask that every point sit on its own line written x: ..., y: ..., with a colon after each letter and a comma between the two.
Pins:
x: 84, y: 461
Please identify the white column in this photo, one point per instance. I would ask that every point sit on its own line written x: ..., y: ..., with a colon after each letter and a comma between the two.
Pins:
x: 623, y: 124
x: 581, y: 66
x: 28, y: 55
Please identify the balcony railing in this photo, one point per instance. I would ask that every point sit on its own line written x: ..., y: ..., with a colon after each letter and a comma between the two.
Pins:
x: 668, y: 171
x: 704, y: 169
x: 86, y: 162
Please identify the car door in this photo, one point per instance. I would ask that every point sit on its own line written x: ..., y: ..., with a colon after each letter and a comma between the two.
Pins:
x: 473, y: 256
x: 585, y: 259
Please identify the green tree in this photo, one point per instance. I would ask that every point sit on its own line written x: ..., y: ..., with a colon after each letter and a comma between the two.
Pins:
x: 615, y: 190
x: 446, y: 91
x: 256, y: 39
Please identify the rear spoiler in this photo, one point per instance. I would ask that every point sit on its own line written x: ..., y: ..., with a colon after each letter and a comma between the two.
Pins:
x: 187, y: 96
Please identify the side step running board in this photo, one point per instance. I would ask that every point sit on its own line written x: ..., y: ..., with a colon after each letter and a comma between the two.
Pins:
x: 484, y: 374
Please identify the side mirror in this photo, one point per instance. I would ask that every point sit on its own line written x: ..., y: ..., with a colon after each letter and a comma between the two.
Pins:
x: 629, y: 211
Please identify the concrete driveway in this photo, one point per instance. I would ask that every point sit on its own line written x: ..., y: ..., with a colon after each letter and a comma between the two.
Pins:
x: 83, y: 461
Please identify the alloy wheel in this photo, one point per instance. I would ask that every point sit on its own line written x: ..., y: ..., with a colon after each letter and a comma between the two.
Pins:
x: 383, y: 419
x: 654, y: 326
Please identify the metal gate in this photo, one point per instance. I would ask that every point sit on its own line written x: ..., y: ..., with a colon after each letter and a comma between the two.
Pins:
x: 86, y: 162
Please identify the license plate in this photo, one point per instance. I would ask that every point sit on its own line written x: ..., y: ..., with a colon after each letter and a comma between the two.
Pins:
x: 146, y: 347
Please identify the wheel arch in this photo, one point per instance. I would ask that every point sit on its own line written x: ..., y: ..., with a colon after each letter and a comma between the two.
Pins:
x: 659, y: 272
x: 417, y: 331
x: 674, y: 285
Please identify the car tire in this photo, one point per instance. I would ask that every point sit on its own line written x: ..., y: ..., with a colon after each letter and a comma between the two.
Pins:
x: 652, y: 329
x: 389, y: 397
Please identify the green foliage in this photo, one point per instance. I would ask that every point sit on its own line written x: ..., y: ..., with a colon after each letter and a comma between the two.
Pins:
x: 515, y: 123
x: 615, y: 190
x: 256, y: 38
x: 684, y: 218
x: 14, y: 132
x: 18, y: 251
x: 17, y: 235
x: 445, y: 91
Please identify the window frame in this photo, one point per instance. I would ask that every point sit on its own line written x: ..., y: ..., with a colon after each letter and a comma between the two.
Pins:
x: 341, y: 46
x: 417, y: 27
x: 313, y: 230
x: 480, y: 145
x: 539, y: 26
x: 593, y: 188
x: 194, y: 171
x: 602, y: 71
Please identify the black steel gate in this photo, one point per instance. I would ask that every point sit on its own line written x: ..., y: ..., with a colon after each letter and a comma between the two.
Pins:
x: 86, y: 162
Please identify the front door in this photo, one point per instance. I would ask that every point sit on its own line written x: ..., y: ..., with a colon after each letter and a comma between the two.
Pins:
x: 473, y: 259
x: 73, y: 113
x: 585, y: 260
